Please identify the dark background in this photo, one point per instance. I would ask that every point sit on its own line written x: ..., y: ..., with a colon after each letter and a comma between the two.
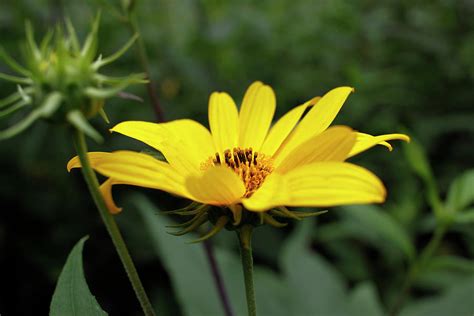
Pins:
x: 411, y: 63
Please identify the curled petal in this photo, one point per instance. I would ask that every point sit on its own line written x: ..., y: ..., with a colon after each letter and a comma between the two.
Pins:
x: 366, y: 141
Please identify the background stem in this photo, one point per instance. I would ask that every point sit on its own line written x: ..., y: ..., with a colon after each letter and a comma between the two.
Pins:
x: 110, y: 224
x: 245, y: 236
x: 417, y: 265
x: 211, y: 258
x: 143, y: 57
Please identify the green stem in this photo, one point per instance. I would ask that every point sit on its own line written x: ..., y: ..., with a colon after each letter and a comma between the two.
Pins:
x: 245, y: 236
x: 110, y: 224
x: 417, y: 265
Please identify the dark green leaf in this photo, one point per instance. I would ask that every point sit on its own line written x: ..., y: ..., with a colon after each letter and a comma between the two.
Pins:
x: 455, y: 301
x: 316, y: 288
x: 374, y: 220
x: 72, y: 296
x: 364, y: 301
x: 461, y: 192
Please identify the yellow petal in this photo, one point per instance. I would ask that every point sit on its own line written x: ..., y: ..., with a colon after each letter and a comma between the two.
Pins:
x: 283, y: 127
x: 331, y: 145
x: 256, y: 115
x: 272, y: 193
x: 94, y: 157
x: 224, y: 121
x: 320, y: 184
x: 128, y: 167
x: 106, y: 190
x: 317, y: 119
x: 186, y: 144
x: 366, y: 141
x: 218, y: 185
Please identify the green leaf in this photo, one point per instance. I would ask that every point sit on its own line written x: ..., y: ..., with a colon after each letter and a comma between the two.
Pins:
x: 419, y: 163
x: 77, y: 119
x: 315, y: 287
x: 461, y: 192
x: 444, y: 271
x: 364, y: 301
x: 12, y: 63
x: 186, y: 264
x: 465, y: 217
x: 384, y: 228
x: 191, y: 277
x: 457, y: 300
x: 110, y: 59
x: 72, y: 296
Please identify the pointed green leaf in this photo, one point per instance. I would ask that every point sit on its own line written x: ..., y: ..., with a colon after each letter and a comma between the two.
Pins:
x: 15, y: 79
x: 191, y: 276
x: 104, y: 116
x: 89, y: 49
x: 72, y: 36
x: 116, y: 55
x: 419, y: 163
x: 50, y: 104
x: 77, y: 119
x: 30, y: 39
x: 381, y: 225
x: 316, y: 287
x: 457, y: 300
x: 461, y: 192
x: 12, y: 63
x: 20, y: 126
x: 72, y: 296
x: 10, y: 99
x: 465, y: 217
x: 15, y: 107
x: 364, y: 301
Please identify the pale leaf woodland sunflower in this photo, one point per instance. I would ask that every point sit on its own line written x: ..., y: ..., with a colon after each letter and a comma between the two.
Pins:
x: 244, y: 164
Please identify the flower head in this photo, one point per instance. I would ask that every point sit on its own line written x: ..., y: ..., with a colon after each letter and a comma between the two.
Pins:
x: 245, y: 170
x: 60, y: 80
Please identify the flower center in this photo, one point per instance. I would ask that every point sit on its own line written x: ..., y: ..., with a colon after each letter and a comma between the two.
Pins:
x: 252, y: 167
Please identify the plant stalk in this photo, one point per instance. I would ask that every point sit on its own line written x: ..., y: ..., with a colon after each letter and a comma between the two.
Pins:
x: 211, y: 258
x: 417, y: 265
x: 110, y: 224
x: 143, y: 58
x: 245, y: 236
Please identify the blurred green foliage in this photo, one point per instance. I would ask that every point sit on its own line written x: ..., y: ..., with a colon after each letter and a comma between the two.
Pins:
x: 412, y: 64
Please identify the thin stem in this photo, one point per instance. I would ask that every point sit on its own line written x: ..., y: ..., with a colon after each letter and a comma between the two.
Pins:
x: 110, y: 224
x: 207, y: 244
x: 416, y: 266
x: 245, y: 236
x: 143, y: 57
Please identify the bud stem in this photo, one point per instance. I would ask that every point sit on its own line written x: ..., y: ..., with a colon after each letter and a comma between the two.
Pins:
x: 110, y: 224
x: 245, y: 237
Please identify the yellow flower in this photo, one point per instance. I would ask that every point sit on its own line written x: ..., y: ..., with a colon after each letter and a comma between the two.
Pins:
x: 243, y: 161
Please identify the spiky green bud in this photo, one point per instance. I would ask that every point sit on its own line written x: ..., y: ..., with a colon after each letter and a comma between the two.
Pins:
x: 60, y: 79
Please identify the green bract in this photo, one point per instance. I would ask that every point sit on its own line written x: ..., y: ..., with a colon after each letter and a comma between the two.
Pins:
x: 60, y: 80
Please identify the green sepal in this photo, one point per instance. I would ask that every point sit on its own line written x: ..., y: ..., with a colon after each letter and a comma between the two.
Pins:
x: 48, y: 107
x: 104, y: 115
x: 77, y: 119
x: 90, y: 45
x: 15, y: 107
x: 12, y: 63
x: 105, y: 61
x: 268, y: 219
x: 203, y: 217
x: 221, y: 222
x: 309, y: 214
x: 74, y: 41
x: 15, y: 79
x: 31, y: 43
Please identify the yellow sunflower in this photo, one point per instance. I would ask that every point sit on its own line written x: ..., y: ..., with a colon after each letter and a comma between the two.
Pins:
x: 244, y: 162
